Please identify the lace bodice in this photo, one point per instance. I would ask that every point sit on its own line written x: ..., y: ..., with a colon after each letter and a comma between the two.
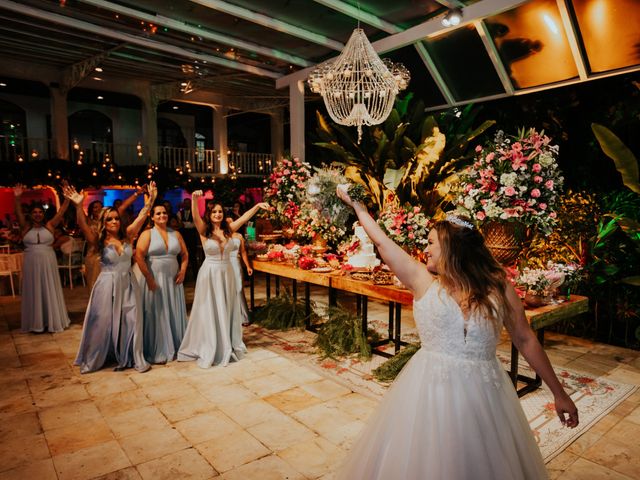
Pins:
x: 212, y: 249
x: 443, y: 328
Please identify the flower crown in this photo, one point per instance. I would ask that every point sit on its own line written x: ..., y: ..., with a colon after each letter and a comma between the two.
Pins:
x: 458, y: 221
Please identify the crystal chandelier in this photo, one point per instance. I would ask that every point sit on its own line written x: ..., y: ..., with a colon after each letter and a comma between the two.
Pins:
x: 358, y: 88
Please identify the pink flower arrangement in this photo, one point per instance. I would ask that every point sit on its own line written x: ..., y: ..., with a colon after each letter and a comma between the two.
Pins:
x: 513, y: 179
x: 286, y: 188
x: 405, y: 225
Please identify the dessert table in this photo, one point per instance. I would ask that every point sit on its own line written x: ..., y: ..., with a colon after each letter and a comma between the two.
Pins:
x: 539, y: 318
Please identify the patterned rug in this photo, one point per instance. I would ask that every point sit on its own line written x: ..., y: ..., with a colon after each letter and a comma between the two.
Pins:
x: 594, y: 396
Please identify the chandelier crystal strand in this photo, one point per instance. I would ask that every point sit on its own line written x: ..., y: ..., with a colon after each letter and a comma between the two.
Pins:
x: 358, y: 88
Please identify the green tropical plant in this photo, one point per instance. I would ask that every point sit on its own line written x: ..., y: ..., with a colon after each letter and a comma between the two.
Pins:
x: 342, y: 335
x: 389, y: 370
x: 411, y: 153
x: 284, y: 312
x: 624, y: 159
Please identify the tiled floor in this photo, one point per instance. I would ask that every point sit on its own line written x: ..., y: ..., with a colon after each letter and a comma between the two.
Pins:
x: 266, y: 417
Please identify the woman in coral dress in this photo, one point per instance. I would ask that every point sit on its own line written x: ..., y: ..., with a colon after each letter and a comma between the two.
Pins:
x: 452, y: 413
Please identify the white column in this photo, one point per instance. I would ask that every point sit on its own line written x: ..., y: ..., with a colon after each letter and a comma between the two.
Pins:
x: 296, y: 112
x: 149, y: 128
x: 59, y: 124
x: 276, y: 118
x: 220, y: 136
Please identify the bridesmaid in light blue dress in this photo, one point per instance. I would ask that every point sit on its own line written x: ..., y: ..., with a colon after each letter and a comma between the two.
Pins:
x: 164, y: 307
x: 43, y: 307
x: 113, y: 320
x: 208, y: 338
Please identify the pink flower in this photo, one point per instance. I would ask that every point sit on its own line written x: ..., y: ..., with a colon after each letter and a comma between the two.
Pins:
x: 518, y: 160
x: 490, y: 157
x: 535, y: 193
x: 538, y: 179
x: 516, y: 147
x: 480, y: 215
x: 543, y: 206
x: 553, y: 215
x: 286, y: 171
x: 536, y: 167
x: 468, y: 188
x: 411, y: 235
x: 416, y: 209
x: 549, y: 184
x: 509, y: 191
x: 478, y: 148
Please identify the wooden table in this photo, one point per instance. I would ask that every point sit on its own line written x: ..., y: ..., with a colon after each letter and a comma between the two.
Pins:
x: 337, y: 281
x: 539, y: 318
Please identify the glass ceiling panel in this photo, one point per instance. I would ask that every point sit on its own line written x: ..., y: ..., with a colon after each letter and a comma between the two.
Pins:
x: 464, y: 64
x: 533, y: 44
x: 422, y: 84
x: 610, y: 31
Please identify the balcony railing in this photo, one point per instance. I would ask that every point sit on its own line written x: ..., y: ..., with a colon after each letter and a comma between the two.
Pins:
x: 196, y: 161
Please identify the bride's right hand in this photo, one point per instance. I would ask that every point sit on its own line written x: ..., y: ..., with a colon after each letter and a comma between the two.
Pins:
x: 196, y: 194
x: 342, y: 192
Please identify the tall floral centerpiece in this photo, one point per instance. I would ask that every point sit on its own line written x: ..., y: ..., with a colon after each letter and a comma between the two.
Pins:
x: 513, y: 183
x: 286, y: 189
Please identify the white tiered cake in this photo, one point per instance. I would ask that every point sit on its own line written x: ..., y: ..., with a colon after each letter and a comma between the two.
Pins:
x: 364, y: 256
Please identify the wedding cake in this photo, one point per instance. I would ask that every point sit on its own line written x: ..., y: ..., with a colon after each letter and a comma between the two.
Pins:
x: 363, y: 256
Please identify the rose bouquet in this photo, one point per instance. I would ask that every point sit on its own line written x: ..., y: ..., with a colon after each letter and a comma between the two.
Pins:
x: 513, y: 178
x: 286, y: 189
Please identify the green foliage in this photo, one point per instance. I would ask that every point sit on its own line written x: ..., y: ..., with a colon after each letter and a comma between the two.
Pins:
x: 342, y: 335
x: 568, y: 242
x: 390, y: 369
x: 411, y: 153
x: 283, y: 313
x: 624, y: 159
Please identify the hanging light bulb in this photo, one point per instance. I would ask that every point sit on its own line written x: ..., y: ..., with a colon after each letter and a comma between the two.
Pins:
x: 452, y: 18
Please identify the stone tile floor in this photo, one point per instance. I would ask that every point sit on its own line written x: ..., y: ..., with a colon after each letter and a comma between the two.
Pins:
x: 269, y: 416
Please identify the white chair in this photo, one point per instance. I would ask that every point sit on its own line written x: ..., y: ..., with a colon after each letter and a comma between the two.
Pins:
x: 74, y: 260
x: 6, y: 270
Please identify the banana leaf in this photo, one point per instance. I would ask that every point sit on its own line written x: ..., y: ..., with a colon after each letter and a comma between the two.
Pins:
x: 624, y: 159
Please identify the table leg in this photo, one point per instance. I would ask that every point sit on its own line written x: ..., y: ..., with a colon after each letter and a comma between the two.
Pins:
x: 513, y: 369
x: 268, y: 282
x: 252, y: 293
x: 398, y: 326
x: 294, y: 287
x: 390, y: 336
x: 365, y: 307
x: 333, y: 297
x: 277, y: 286
x: 307, y: 305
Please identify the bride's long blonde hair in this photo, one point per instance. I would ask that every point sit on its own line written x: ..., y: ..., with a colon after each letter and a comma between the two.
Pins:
x: 467, y: 267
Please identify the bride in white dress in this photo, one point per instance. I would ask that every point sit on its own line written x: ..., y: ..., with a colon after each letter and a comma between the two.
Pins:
x: 452, y: 413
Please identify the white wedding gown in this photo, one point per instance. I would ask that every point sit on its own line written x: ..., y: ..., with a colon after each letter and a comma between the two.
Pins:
x: 452, y: 413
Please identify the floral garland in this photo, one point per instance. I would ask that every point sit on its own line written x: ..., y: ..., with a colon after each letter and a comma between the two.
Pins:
x: 514, y: 178
x: 286, y: 188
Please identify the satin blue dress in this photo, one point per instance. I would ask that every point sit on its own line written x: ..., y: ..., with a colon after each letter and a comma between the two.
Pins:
x: 164, y: 310
x: 43, y: 307
x: 207, y: 339
x: 113, y: 321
